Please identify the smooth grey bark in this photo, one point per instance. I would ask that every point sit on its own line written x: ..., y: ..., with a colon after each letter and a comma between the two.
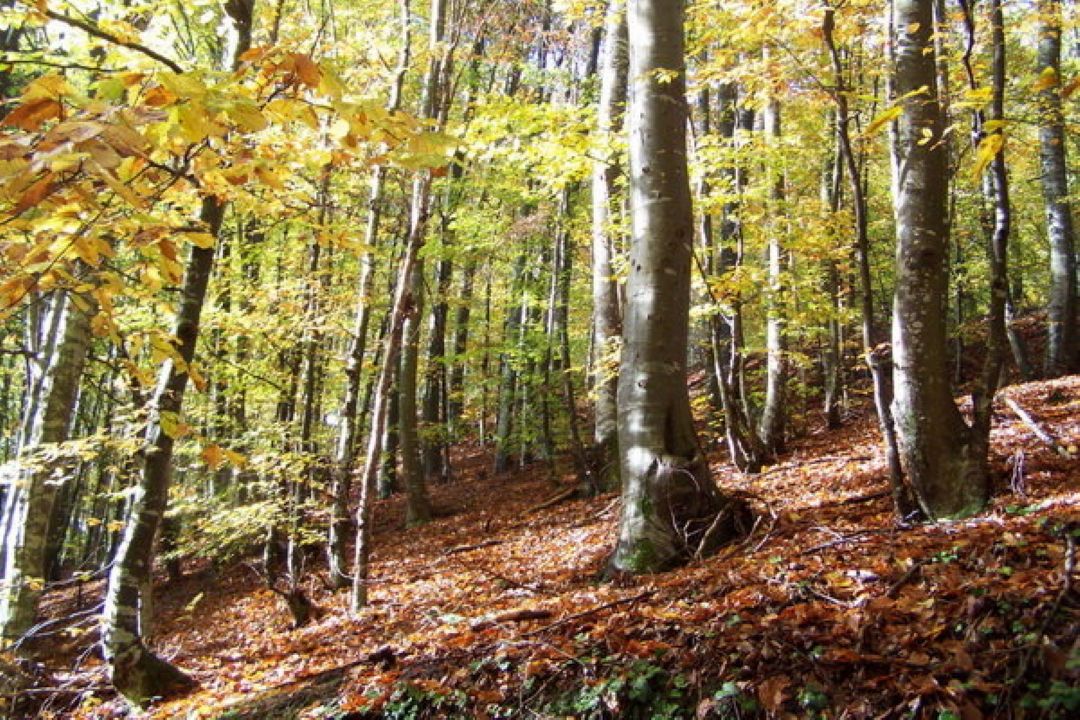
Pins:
x: 606, y: 321
x: 1063, y: 344
x: 345, y: 449
x: 934, y: 442
x: 33, y: 499
x: 774, y: 412
x: 671, y: 508
x: 417, y: 506
x: 135, y: 671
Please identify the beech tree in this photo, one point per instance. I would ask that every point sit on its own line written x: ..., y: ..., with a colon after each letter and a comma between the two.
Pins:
x: 1063, y: 345
x: 605, y: 297
x: 671, y: 507
x: 939, y: 456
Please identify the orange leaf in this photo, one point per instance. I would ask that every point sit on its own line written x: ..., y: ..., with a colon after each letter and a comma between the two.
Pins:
x: 34, y: 194
x: 306, y: 70
x: 30, y: 115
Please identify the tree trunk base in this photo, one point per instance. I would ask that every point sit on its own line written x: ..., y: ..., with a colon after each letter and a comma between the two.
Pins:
x: 146, y: 677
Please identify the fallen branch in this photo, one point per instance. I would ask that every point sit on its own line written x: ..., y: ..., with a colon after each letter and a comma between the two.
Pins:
x: 591, y: 611
x: 911, y: 572
x: 569, y: 492
x: 1036, y: 428
x: 467, y: 548
x: 511, y: 616
x: 841, y: 540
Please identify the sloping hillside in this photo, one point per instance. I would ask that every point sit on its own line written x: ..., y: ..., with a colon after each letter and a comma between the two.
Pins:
x: 829, y: 608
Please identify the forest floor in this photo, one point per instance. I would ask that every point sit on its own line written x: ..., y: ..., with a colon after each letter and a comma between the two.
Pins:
x: 828, y: 609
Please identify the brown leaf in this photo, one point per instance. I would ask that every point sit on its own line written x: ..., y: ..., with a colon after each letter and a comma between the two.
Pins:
x: 771, y: 692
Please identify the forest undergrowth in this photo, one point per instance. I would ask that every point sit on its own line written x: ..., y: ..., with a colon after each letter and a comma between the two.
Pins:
x: 829, y: 608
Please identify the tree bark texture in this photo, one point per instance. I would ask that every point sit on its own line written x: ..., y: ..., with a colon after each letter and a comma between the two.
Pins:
x: 27, y: 525
x: 671, y: 508
x: 934, y: 441
x: 606, y: 312
x: 1063, y: 345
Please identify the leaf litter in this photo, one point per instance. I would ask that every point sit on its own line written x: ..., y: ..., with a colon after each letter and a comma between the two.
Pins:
x: 830, y: 608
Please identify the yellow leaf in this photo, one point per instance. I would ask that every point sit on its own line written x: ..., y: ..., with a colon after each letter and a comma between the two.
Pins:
x: 200, y: 239
x: 1047, y: 79
x: 49, y: 86
x: 235, y: 459
x: 883, y: 119
x: 927, y: 136
x: 247, y: 117
x: 173, y: 426
x: 988, y: 149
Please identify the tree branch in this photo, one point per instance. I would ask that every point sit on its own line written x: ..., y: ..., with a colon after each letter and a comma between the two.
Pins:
x: 95, y: 31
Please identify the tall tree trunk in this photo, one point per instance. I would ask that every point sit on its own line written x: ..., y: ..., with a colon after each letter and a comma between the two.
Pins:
x: 136, y: 672
x: 671, y: 508
x: 877, y: 354
x: 606, y: 323
x: 508, y: 374
x: 33, y: 498
x: 744, y: 446
x: 418, y: 506
x: 934, y: 442
x: 345, y: 450
x: 997, y: 184
x: 402, y: 309
x: 1063, y: 345
x: 456, y: 391
x: 773, y: 413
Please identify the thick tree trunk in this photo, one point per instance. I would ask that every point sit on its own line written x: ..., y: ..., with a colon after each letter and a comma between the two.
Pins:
x: 671, y: 508
x: 33, y: 499
x: 934, y: 442
x: 1063, y: 345
x: 606, y: 323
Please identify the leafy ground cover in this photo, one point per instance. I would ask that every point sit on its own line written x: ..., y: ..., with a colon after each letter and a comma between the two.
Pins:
x: 828, y: 609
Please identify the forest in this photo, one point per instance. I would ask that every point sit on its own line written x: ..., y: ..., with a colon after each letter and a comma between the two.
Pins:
x: 539, y: 359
